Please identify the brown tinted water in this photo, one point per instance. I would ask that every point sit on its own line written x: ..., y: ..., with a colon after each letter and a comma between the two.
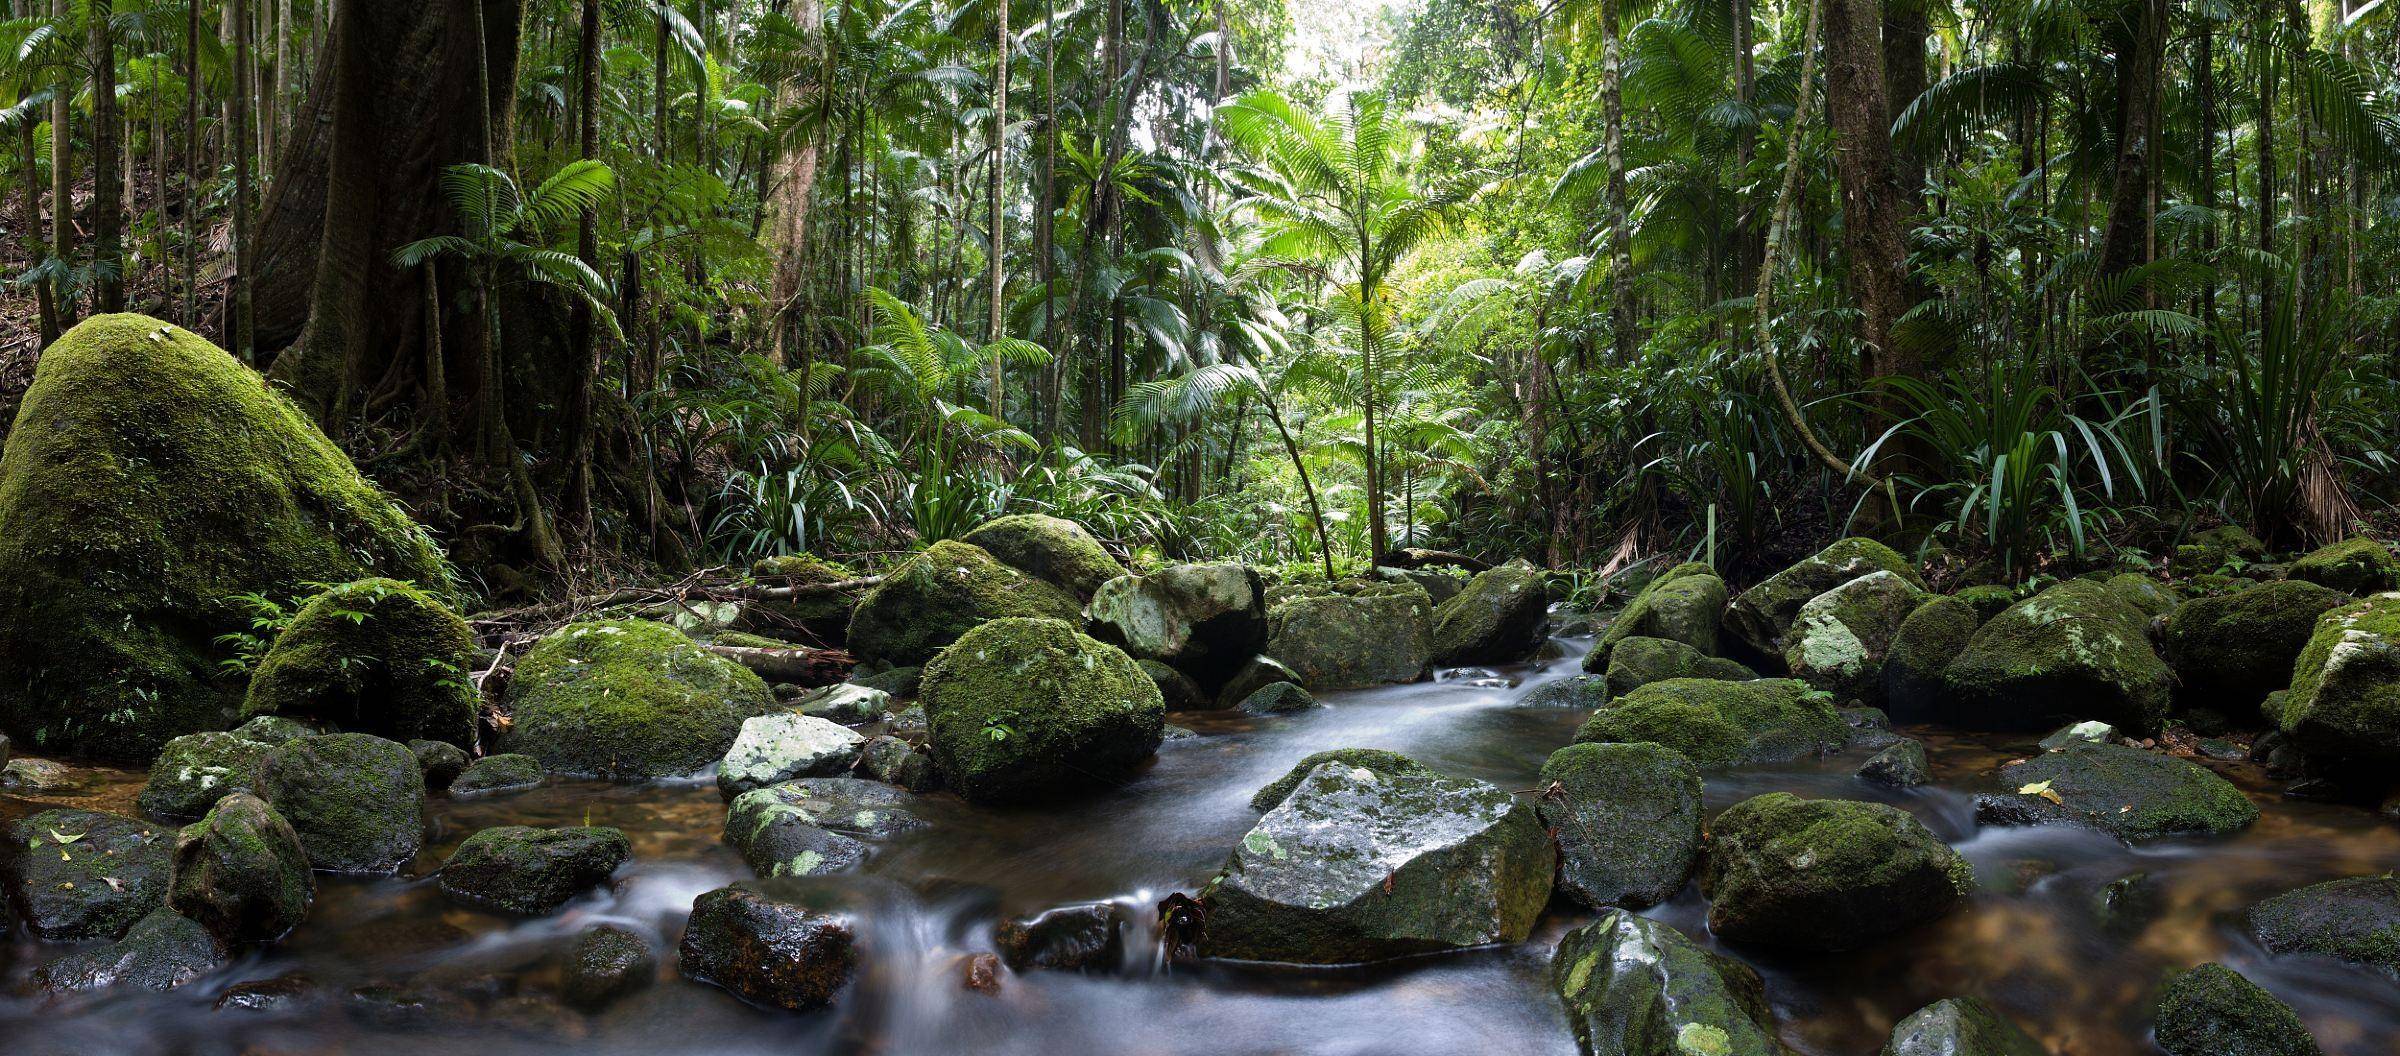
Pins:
x: 483, y: 984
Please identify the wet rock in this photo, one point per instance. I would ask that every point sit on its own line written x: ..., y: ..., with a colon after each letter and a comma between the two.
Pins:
x: 901, y: 682
x: 1902, y: 765
x: 1627, y: 821
x: 1051, y: 549
x: 1636, y: 662
x: 1583, y: 692
x: 2074, y: 651
x: 2126, y: 792
x: 2078, y: 733
x: 1684, y: 604
x: 1174, y: 687
x: 1826, y: 874
x: 812, y: 826
x: 2127, y: 904
x: 374, y: 656
x: 1254, y: 674
x: 2357, y: 565
x: 241, y: 873
x: 1355, y: 866
x: 1762, y: 616
x: 520, y: 869
x: 1349, y: 641
x: 1025, y: 709
x: 2234, y: 650
x: 2356, y: 919
x: 195, y: 770
x: 782, y: 746
x: 1637, y: 987
x: 1373, y: 760
x: 1839, y: 639
x: 894, y: 761
x: 508, y: 772
x: 441, y: 763
x: 160, y: 952
x: 2345, y: 698
x: 1201, y: 620
x: 357, y: 800
x: 1717, y: 723
x: 2213, y: 1011
x: 283, y: 993
x: 1495, y: 619
x: 629, y: 700
x: 1960, y: 1026
x: 1280, y: 698
x: 1087, y: 938
x: 606, y: 963
x: 83, y: 874
x: 846, y: 703
x: 767, y: 948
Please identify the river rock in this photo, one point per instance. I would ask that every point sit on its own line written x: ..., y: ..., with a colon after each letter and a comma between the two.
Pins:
x: 119, y: 579
x: 2124, y: 791
x: 1254, y: 674
x: 1581, y: 692
x: 1934, y: 633
x: 2213, y: 1011
x: 1201, y: 620
x: 520, y: 869
x: 2231, y: 651
x: 2074, y: 651
x: 1900, y: 765
x: 1354, y: 866
x: 2345, y: 698
x: 1839, y: 639
x: 781, y: 746
x: 195, y: 770
x: 950, y: 588
x: 1684, y: 604
x: 1376, y: 761
x: 160, y: 952
x: 1051, y: 549
x: 1081, y: 938
x: 1280, y: 698
x: 1637, y: 987
x: 2356, y: 565
x: 1960, y: 1026
x: 241, y: 873
x: 1826, y: 874
x: 1346, y: 641
x: 375, y: 656
x: 83, y: 874
x: 846, y: 703
x: 767, y: 947
x: 508, y: 772
x: 629, y: 700
x: 1627, y: 820
x: 357, y: 800
x: 606, y: 963
x: 440, y: 761
x: 1762, y: 616
x: 2356, y: 919
x: 1022, y: 709
x: 1638, y: 661
x: 1495, y: 619
x: 1717, y: 723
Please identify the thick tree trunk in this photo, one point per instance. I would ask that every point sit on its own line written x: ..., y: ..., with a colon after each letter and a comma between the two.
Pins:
x: 2139, y: 38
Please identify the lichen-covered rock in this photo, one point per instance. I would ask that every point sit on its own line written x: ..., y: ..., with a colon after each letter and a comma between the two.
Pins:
x: 629, y: 700
x: 951, y: 587
x: 2355, y: 919
x: 375, y: 656
x: 1718, y: 723
x: 1637, y: 987
x: 508, y: 772
x: 2357, y: 565
x: 55, y: 864
x: 150, y: 485
x: 2126, y: 792
x: 1960, y: 1026
x: 357, y: 800
x: 1627, y: 819
x: 1345, y: 641
x: 1638, y: 661
x: 1496, y: 619
x: 781, y: 746
x: 161, y: 952
x: 814, y: 825
x: 2231, y: 651
x: 1839, y: 639
x: 195, y: 770
x: 1280, y: 698
x: 441, y: 761
x: 1021, y: 709
x: 2213, y: 1011
x: 1378, y: 761
x: 1354, y: 866
x: 1901, y: 764
x: 1762, y: 615
x: 520, y: 869
x: 1174, y: 687
x: 241, y: 873
x: 2074, y: 651
x: 1684, y: 604
x: 1826, y: 874
x: 1202, y: 620
x: 1584, y: 692
x: 607, y: 962
x: 766, y: 945
x: 1088, y: 937
x: 2345, y: 698
x: 1252, y: 675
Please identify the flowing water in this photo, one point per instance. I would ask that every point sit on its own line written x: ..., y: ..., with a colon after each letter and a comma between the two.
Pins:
x: 483, y: 984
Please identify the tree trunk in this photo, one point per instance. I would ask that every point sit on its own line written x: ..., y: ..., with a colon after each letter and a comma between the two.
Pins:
x: 108, y: 206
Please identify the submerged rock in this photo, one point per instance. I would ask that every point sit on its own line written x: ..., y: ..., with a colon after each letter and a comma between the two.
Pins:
x: 1627, y: 821
x: 1051, y: 549
x: 2213, y: 1011
x: 1684, y: 604
x: 520, y: 869
x: 1355, y: 866
x: 768, y: 948
x: 1839, y: 639
x: 357, y: 800
x: 2074, y: 651
x: 1495, y: 619
x: 1373, y: 760
x: 1022, y: 709
x: 2126, y: 792
x: 781, y: 746
x: 375, y: 656
x: 1638, y: 661
x: 1070, y: 938
x: 1717, y: 723
x: 2357, y: 565
x: 241, y: 873
x: 1199, y: 620
x: 1901, y: 765
x: 2356, y: 919
x: 2345, y: 697
x: 607, y: 962
x: 1826, y: 874
x: 946, y: 590
x: 1344, y: 641
x: 629, y: 700
x: 1637, y: 987
x: 2233, y: 650
x: 1762, y: 616
x: 498, y: 773
x: 161, y: 952
x: 1280, y: 698
x: 1960, y: 1026
x: 195, y: 770
x: 83, y: 874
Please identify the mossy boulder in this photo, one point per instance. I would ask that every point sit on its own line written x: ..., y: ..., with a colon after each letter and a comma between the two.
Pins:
x: 1826, y: 874
x: 2357, y: 565
x: 506, y: 772
x: 2213, y: 1011
x: 1051, y: 549
x: 1933, y: 635
x: 769, y: 944
x: 1637, y: 987
x: 2124, y: 791
x: 1636, y: 662
x: 1762, y: 615
x: 1022, y: 709
x: 161, y: 952
x: 1684, y: 604
x: 150, y: 488
x: 1355, y: 866
x: 1839, y: 639
x: 2345, y: 697
x: 2075, y: 651
x: 1717, y: 723
x: 59, y: 865
x: 2229, y: 652
x: 241, y: 873
x: 375, y: 656
x: 2355, y: 919
x: 949, y: 588
x: 1345, y: 641
x: 1373, y: 760
x: 195, y: 770
x: 1495, y: 619
x: 1627, y: 819
x: 629, y: 700
x: 1960, y: 1026
x: 1202, y: 620
x: 357, y: 800
x: 529, y: 871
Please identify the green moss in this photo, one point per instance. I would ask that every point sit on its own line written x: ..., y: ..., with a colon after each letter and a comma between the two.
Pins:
x: 941, y: 593
x: 2345, y: 695
x: 629, y: 700
x: 1373, y: 760
x: 151, y: 483
x: 2357, y: 565
x: 1024, y: 708
x: 377, y: 656
x: 1054, y: 550
x: 1718, y: 723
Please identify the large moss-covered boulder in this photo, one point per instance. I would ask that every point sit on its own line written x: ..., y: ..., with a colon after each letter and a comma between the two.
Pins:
x: 1684, y: 604
x: 1839, y: 640
x: 1717, y: 723
x: 927, y: 601
x: 241, y: 873
x: 357, y: 800
x: 2213, y: 1011
x: 60, y: 865
x: 1637, y: 987
x: 1627, y: 819
x: 1355, y: 866
x: 375, y: 656
x: 1636, y: 662
x: 2357, y: 565
x: 1826, y: 874
x: 150, y: 487
x: 2124, y: 791
x: 1960, y: 1026
x: 1762, y: 615
x: 521, y: 869
x: 2075, y: 651
x: 195, y: 770
x: 1051, y: 549
x: 1202, y: 620
x: 2355, y: 919
x: 1345, y: 641
x: 1934, y: 633
x: 1495, y: 619
x: 2230, y: 651
x: 1022, y: 709
x: 2345, y: 698
x: 629, y: 700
